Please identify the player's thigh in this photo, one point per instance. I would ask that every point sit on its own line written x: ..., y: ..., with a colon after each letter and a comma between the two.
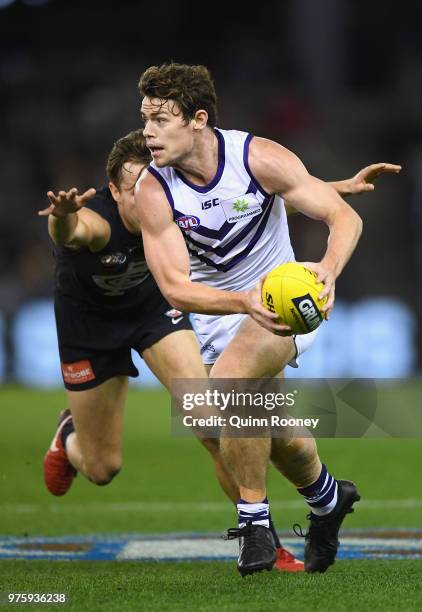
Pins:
x: 254, y: 352
x: 175, y: 356
x: 98, y: 418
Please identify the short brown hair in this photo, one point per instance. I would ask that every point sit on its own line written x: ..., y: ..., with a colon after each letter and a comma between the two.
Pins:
x: 132, y: 148
x: 190, y: 86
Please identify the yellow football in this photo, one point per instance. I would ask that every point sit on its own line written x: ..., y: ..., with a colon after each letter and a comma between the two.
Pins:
x: 292, y: 291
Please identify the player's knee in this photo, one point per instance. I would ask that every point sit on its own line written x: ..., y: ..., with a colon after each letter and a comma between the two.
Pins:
x: 102, y: 472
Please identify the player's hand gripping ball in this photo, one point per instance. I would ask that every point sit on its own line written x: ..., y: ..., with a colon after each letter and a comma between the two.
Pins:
x: 292, y: 291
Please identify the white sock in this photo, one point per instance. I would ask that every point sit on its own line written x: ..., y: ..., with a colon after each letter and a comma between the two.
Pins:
x: 256, y: 513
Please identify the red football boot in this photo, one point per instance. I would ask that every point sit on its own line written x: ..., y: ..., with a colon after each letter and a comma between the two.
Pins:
x: 286, y: 562
x: 58, y: 471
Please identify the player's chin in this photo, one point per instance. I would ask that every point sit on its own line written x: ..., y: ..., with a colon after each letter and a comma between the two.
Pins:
x: 161, y: 159
x: 160, y: 162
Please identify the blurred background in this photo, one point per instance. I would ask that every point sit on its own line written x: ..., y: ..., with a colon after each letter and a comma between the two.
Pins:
x: 337, y: 81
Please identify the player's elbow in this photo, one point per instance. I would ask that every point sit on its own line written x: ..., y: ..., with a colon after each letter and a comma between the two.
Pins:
x: 176, y: 299
x: 358, y: 223
x: 347, y: 218
x: 176, y: 296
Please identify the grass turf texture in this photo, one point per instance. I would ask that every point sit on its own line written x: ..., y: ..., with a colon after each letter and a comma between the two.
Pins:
x: 206, y: 586
x: 160, y: 469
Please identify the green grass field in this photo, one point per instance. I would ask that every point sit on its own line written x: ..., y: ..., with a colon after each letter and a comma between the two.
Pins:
x: 208, y: 586
x: 168, y: 484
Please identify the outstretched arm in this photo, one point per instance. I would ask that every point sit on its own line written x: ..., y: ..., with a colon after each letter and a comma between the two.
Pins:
x: 71, y: 225
x: 168, y: 259
x: 363, y: 181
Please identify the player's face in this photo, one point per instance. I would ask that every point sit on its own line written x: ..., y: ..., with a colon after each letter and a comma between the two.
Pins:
x: 168, y: 136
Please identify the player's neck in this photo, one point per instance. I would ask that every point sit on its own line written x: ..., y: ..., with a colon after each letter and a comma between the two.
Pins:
x: 200, y: 165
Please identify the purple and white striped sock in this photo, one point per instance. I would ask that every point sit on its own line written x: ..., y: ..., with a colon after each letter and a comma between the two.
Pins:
x: 321, y: 496
x: 255, y: 513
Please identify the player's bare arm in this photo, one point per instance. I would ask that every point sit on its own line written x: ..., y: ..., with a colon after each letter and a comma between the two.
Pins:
x: 168, y: 259
x: 280, y: 171
x: 361, y: 182
x: 71, y: 225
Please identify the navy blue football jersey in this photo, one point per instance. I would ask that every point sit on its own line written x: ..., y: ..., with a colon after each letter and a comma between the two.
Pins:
x: 116, y: 277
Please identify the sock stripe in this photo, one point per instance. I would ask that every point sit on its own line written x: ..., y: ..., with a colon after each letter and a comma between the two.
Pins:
x: 327, y: 483
x: 321, y: 510
x: 253, y: 515
x: 321, y: 496
x: 325, y: 499
x: 256, y: 513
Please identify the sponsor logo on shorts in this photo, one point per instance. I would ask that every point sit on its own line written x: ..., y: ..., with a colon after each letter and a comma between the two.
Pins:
x: 78, y: 372
x: 175, y: 315
x: 308, y: 310
x: 188, y: 222
x: 208, y: 347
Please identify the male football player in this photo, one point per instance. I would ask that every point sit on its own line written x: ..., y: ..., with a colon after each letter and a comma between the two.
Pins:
x: 107, y: 303
x: 207, y: 255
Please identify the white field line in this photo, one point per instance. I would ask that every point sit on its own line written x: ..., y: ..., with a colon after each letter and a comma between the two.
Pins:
x: 212, y: 548
x: 110, y: 507
x: 216, y: 548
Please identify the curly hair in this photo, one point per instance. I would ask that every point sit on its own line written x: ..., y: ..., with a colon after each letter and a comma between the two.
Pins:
x: 190, y: 86
x: 132, y: 148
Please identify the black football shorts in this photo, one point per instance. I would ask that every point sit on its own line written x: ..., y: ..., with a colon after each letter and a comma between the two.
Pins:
x: 95, y: 345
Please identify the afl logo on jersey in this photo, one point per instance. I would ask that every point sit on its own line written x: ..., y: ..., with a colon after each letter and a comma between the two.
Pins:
x: 188, y: 222
x: 113, y: 259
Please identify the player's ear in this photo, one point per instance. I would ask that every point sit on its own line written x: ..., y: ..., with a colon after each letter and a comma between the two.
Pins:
x: 114, y: 191
x: 200, y: 120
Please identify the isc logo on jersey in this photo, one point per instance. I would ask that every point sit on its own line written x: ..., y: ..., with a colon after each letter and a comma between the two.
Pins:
x: 188, y: 222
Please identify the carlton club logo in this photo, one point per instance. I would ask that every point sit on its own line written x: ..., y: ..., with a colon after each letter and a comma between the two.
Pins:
x: 188, y: 222
x: 118, y: 284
